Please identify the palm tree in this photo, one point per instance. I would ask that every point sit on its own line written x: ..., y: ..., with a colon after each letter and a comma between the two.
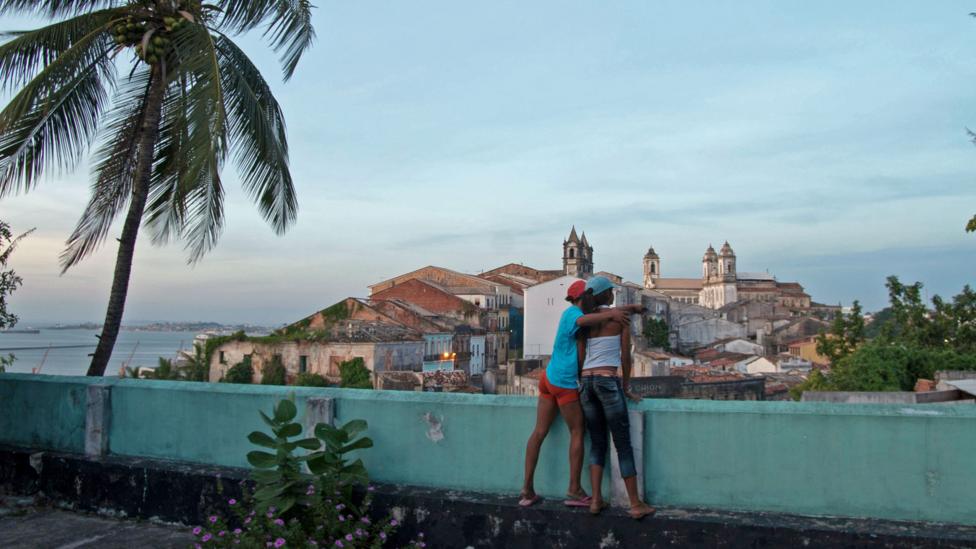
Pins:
x: 188, y: 97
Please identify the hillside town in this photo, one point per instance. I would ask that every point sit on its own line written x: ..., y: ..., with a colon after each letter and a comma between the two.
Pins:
x: 728, y: 335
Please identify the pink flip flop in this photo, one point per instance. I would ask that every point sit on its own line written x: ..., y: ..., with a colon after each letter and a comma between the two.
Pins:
x: 578, y: 502
x: 529, y: 502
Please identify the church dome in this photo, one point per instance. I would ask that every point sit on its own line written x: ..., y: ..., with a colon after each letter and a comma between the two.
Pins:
x: 651, y: 254
x: 709, y: 253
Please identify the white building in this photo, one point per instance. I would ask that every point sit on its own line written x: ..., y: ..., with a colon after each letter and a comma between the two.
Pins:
x: 544, y: 304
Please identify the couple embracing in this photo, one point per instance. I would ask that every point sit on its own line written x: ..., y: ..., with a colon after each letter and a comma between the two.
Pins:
x: 582, y: 384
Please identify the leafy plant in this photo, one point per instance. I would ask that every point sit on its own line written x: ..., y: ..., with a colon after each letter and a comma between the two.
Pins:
x: 656, y: 331
x: 280, y: 481
x: 9, y: 282
x: 242, y: 372
x: 291, y: 507
x: 273, y: 372
x: 353, y: 374
x: 309, y: 379
x: 332, y: 465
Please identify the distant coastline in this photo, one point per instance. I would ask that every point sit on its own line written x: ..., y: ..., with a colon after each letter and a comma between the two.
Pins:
x: 168, y: 327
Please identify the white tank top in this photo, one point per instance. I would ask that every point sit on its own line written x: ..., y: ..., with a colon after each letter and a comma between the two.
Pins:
x: 602, y: 352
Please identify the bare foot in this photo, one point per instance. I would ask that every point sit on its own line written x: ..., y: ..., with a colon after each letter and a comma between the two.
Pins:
x: 641, y: 510
x: 597, y: 506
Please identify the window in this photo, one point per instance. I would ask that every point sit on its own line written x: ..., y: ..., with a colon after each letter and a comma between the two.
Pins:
x: 302, y: 364
x: 572, y: 253
x: 223, y: 359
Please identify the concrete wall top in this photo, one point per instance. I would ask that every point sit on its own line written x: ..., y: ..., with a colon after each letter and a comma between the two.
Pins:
x: 897, y: 461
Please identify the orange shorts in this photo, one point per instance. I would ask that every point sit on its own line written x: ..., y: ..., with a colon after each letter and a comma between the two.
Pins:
x: 560, y: 395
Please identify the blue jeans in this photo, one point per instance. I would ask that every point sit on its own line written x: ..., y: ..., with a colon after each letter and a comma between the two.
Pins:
x: 605, y: 408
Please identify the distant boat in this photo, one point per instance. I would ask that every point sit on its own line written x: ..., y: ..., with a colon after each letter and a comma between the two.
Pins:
x: 20, y: 331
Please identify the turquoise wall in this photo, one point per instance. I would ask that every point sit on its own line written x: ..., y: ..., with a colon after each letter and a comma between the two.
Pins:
x: 883, y: 461
x: 44, y: 411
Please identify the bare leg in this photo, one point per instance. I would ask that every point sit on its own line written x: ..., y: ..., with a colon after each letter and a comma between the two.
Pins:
x: 545, y: 415
x: 573, y: 414
x: 638, y: 509
x: 596, y: 482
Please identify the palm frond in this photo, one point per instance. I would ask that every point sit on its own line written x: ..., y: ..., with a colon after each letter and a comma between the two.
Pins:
x: 187, y: 192
x: 52, y: 121
x: 288, y: 25
x: 112, y: 165
x: 54, y: 8
x: 28, y: 52
x: 257, y: 132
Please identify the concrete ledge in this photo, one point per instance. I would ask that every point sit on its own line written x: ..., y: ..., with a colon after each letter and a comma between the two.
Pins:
x: 186, y: 493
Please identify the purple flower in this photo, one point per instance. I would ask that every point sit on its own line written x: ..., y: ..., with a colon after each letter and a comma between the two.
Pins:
x: 279, y: 522
x: 420, y: 535
x: 359, y: 532
x: 197, y: 530
x: 213, y: 519
x: 206, y: 538
x: 197, y: 546
x: 272, y: 509
x: 221, y: 533
x: 371, y: 488
x: 279, y: 542
x: 247, y: 520
x: 342, y: 518
x: 382, y: 535
x: 232, y: 501
x: 340, y: 507
x: 251, y: 514
x: 421, y: 544
x: 394, y: 522
x: 348, y: 537
x: 365, y: 520
x: 312, y: 542
x: 338, y: 543
x: 270, y: 514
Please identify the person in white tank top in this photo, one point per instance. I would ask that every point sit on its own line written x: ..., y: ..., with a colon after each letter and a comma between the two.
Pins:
x: 605, y: 376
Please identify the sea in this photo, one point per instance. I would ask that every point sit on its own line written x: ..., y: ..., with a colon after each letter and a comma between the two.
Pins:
x: 67, y: 352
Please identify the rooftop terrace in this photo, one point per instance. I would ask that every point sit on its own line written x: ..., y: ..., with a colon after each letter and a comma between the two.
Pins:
x: 742, y: 462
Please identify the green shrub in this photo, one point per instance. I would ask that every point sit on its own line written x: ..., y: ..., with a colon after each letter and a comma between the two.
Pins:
x: 288, y: 507
x: 242, y: 372
x: 354, y: 375
x: 273, y: 373
x: 308, y: 379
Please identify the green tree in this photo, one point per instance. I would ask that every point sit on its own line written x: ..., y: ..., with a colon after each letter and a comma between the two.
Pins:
x: 845, y: 335
x: 656, y: 332
x: 353, y: 374
x: 914, y: 342
x: 309, y: 379
x: 188, y: 100
x: 9, y: 282
x: 242, y: 372
x: 196, y: 367
x: 273, y: 373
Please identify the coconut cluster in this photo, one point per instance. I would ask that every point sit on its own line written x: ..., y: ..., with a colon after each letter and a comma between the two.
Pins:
x: 132, y: 33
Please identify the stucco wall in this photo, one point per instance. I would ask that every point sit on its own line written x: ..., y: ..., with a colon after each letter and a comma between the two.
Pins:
x: 883, y: 461
x: 323, y: 358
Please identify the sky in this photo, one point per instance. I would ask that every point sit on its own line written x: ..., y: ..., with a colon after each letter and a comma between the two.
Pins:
x: 826, y: 141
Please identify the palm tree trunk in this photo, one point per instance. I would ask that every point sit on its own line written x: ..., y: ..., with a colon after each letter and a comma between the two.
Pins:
x: 149, y: 129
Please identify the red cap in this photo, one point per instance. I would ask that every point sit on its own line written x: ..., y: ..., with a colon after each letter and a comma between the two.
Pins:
x: 576, y: 289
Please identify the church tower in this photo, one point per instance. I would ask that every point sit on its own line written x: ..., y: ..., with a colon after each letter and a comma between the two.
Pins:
x: 709, y: 265
x: 577, y: 255
x: 727, y: 263
x: 652, y: 268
